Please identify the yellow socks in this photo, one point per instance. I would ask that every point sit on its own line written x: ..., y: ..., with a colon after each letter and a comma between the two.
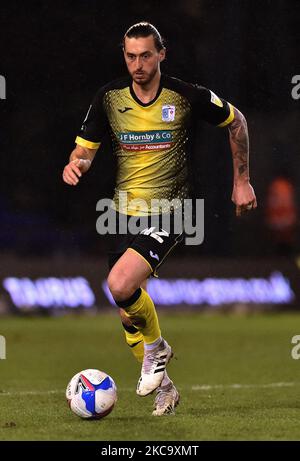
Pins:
x: 143, y: 315
x: 144, y: 328
x: 135, y: 341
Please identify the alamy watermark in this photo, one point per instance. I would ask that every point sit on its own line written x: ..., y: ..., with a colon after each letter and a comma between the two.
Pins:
x: 295, y: 353
x: 2, y: 348
x: 157, y: 220
x: 296, y: 89
x: 2, y: 87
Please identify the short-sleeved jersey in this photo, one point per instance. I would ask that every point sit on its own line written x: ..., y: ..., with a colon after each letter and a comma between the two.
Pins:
x: 150, y: 140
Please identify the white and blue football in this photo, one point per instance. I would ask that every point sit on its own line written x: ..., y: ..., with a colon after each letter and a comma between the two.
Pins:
x: 91, y: 394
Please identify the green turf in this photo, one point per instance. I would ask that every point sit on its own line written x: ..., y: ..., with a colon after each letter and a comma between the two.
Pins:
x: 214, y: 350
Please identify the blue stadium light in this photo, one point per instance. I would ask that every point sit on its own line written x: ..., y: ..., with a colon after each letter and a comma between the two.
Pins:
x: 217, y: 291
x: 49, y: 292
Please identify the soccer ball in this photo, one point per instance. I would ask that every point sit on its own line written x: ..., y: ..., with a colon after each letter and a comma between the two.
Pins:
x: 91, y: 394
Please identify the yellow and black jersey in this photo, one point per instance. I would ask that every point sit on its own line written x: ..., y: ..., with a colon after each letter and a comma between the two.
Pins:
x: 150, y: 140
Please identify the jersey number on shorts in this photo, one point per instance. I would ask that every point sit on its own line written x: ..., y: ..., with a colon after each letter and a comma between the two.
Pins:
x: 156, y: 235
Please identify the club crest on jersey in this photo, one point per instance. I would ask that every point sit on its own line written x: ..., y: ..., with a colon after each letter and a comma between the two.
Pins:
x: 168, y: 113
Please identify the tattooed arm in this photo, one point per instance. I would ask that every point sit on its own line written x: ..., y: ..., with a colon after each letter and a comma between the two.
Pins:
x: 243, y: 194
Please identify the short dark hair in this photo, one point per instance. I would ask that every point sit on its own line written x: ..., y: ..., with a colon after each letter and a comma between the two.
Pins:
x: 144, y: 29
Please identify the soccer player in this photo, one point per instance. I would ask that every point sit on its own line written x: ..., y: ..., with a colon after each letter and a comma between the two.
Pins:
x: 150, y: 117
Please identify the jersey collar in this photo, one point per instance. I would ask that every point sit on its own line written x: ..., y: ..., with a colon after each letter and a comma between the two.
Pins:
x: 150, y: 102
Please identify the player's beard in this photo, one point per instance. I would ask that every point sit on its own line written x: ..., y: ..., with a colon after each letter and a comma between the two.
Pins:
x: 143, y: 78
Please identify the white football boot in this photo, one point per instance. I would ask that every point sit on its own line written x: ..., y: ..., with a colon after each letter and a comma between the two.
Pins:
x: 154, y: 364
x: 167, y: 398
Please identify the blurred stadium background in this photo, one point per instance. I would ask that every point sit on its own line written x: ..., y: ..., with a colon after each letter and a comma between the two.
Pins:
x: 54, y: 56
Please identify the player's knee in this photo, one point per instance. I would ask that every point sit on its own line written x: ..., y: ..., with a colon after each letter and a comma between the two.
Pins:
x: 120, y: 287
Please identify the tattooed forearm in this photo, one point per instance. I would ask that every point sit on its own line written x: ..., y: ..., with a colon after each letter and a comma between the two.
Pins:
x: 239, y: 143
x: 242, y: 169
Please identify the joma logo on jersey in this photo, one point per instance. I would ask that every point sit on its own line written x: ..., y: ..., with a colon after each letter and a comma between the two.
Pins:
x: 168, y: 113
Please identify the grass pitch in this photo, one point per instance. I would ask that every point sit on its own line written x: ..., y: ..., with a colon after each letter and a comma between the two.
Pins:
x: 236, y: 377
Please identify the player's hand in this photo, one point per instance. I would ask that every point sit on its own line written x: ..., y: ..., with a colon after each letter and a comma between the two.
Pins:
x: 244, y: 198
x: 74, y: 170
